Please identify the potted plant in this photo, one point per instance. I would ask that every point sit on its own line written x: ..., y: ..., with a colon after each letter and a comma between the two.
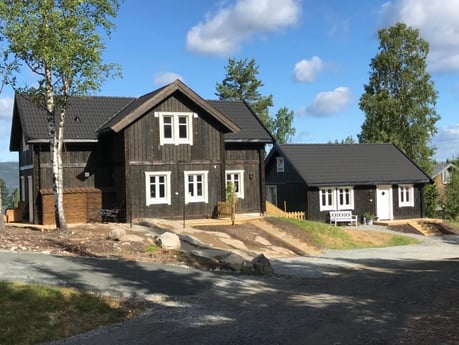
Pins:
x: 368, y: 218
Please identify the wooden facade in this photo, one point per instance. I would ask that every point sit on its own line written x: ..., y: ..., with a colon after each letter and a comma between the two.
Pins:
x: 293, y: 193
x: 110, y: 172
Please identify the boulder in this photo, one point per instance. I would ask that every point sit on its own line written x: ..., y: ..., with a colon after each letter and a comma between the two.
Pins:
x: 117, y: 235
x: 262, y: 265
x: 233, y: 262
x: 169, y: 241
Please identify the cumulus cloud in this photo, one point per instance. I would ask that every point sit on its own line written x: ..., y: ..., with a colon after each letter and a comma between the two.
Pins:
x: 6, y: 108
x: 223, y: 32
x: 438, y: 24
x: 447, y: 142
x: 164, y: 78
x: 306, y: 71
x: 330, y: 103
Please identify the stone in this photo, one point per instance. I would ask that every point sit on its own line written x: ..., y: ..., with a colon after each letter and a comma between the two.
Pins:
x: 117, y: 235
x: 262, y: 265
x: 233, y: 262
x: 169, y: 241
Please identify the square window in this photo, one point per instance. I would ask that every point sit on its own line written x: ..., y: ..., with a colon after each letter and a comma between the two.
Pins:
x: 196, y: 189
x: 236, y: 178
x: 158, y: 187
x: 175, y: 128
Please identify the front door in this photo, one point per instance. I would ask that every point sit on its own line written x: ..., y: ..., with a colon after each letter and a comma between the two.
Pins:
x: 384, y: 202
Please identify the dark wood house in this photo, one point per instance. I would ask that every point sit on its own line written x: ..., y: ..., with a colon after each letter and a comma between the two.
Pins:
x: 166, y: 154
x: 363, y: 178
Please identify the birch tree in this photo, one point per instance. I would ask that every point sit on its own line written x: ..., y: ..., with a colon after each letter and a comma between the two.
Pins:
x: 61, y: 42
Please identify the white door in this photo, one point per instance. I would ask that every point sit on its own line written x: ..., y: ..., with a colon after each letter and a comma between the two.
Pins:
x: 384, y: 202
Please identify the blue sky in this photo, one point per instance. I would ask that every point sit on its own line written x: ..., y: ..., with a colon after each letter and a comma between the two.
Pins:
x: 313, y: 56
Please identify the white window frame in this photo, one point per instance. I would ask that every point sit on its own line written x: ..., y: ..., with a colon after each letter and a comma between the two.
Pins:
x: 280, y: 163
x: 333, y: 198
x: 205, y: 188
x: 158, y: 200
x: 240, y: 174
x: 176, y: 116
x: 329, y: 204
x: 406, y: 195
x: 345, y: 205
x: 446, y: 176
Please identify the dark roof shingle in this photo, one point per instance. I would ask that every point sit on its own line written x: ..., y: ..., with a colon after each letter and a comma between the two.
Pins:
x: 352, y: 164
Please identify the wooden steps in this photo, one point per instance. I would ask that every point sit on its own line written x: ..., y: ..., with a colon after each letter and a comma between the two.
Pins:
x: 425, y: 228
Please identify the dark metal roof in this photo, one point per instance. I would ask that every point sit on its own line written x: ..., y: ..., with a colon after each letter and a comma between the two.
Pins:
x: 84, y: 115
x: 350, y: 164
x: 252, y: 130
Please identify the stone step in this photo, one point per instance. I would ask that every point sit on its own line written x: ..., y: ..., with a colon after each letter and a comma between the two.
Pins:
x: 300, y: 246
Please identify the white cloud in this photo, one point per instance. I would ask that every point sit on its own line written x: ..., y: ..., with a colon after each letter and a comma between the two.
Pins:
x: 223, y: 32
x: 307, y: 70
x: 330, y: 103
x: 438, y: 24
x: 164, y: 78
x: 6, y: 108
x: 447, y: 142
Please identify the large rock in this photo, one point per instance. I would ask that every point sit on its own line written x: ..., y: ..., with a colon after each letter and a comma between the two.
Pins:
x: 262, y: 265
x: 117, y: 235
x: 169, y: 241
x: 233, y: 262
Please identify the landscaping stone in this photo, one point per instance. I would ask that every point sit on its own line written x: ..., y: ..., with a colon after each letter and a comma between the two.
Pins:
x: 169, y: 240
x: 262, y: 265
x: 117, y: 235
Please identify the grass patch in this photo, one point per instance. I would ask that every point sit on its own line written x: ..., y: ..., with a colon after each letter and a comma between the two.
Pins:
x: 32, y: 314
x: 152, y: 248
x: 331, y: 237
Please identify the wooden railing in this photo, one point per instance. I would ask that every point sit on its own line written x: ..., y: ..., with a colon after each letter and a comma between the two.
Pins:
x: 272, y: 210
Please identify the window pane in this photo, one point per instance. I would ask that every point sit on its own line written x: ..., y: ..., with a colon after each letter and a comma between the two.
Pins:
x: 183, y: 127
x: 167, y: 127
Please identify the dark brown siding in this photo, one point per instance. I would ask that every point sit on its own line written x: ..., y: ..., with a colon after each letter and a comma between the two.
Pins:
x: 408, y: 212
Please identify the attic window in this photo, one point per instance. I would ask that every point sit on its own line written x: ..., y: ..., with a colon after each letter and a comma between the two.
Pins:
x: 280, y: 164
x: 175, y: 128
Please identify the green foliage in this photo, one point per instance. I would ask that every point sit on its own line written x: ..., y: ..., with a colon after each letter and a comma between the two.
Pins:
x: 283, y: 126
x: 450, y: 201
x: 348, y: 140
x: 431, y: 200
x: 399, y: 99
x: 241, y: 84
x: 152, y: 248
x: 8, y: 198
x: 62, y: 38
x: 230, y: 191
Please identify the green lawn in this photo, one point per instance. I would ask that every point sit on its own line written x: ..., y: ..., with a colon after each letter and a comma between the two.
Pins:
x: 331, y: 237
x: 33, y: 314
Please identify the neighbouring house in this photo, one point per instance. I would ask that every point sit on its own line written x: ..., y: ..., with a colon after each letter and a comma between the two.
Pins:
x: 442, y: 173
x: 377, y: 179
x: 168, y: 154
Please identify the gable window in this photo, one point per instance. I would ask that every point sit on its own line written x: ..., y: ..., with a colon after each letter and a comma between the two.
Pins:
x: 406, y: 196
x: 175, y: 128
x: 196, y: 189
x: 158, y: 189
x: 446, y: 176
x: 280, y: 164
x: 336, y: 198
x: 236, y: 178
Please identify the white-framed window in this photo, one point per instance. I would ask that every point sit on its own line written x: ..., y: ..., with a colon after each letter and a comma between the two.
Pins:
x: 336, y: 198
x: 196, y: 188
x: 406, y: 195
x: 236, y: 177
x: 446, y: 176
x: 175, y: 128
x: 345, y: 198
x: 280, y: 164
x: 327, y: 199
x: 158, y: 187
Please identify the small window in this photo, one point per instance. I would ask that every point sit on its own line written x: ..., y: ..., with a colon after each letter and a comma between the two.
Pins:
x: 158, y: 187
x: 196, y: 189
x: 280, y: 164
x: 446, y: 176
x: 236, y: 177
x: 406, y: 196
x: 327, y: 199
x: 175, y: 128
x: 345, y: 198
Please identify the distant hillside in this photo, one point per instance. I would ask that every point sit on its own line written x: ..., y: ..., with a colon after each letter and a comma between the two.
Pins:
x: 9, y: 173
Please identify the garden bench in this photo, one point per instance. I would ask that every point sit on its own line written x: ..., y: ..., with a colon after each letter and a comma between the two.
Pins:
x: 343, y: 217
